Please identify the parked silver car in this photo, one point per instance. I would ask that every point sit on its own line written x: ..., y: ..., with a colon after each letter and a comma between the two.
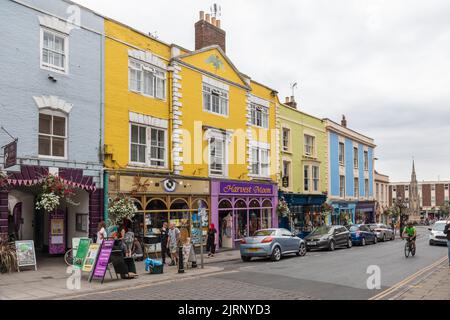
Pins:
x: 382, y: 231
x: 273, y: 243
x: 437, y: 235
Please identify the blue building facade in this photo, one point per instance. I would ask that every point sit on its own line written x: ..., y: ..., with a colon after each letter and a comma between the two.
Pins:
x: 51, y: 101
x: 351, y: 175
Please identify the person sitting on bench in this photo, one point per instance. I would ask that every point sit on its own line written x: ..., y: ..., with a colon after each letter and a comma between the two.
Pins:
x: 122, y: 266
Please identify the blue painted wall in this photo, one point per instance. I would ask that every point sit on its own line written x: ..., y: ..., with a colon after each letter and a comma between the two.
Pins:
x: 362, y: 192
x: 370, y: 156
x: 334, y: 164
x: 22, y: 78
x: 349, y: 176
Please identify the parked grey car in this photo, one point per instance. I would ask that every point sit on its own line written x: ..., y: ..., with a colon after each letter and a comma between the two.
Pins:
x: 273, y: 243
x: 382, y: 231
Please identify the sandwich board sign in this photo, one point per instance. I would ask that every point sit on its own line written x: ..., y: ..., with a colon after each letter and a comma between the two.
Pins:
x: 26, y: 254
x: 82, y: 250
x: 102, y: 260
x: 91, y: 257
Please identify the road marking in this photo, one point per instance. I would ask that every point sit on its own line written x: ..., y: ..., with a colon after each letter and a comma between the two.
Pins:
x: 398, y: 285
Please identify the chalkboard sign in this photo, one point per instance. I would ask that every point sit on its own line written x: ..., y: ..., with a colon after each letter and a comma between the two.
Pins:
x: 26, y: 255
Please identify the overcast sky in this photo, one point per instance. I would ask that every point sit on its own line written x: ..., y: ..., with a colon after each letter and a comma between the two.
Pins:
x: 384, y: 64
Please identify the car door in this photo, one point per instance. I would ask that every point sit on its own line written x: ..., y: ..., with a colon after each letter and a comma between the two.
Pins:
x: 284, y: 239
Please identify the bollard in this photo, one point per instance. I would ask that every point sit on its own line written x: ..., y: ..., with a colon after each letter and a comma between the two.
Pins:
x: 180, y: 260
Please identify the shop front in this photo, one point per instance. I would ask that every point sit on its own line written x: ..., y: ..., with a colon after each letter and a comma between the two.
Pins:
x: 52, y: 232
x: 238, y: 209
x: 163, y: 199
x: 365, y: 212
x: 305, y: 209
x: 344, y: 213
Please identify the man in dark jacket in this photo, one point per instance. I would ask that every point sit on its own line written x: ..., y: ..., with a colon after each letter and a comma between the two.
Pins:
x: 447, y: 232
x: 164, y: 247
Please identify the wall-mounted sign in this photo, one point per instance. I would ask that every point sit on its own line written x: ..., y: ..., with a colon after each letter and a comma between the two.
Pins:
x: 170, y: 185
x: 245, y: 188
x: 10, y: 154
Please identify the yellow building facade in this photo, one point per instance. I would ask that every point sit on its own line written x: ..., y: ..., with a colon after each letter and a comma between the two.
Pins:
x: 188, y: 137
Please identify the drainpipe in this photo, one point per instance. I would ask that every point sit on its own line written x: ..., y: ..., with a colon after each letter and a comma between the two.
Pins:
x: 105, y: 195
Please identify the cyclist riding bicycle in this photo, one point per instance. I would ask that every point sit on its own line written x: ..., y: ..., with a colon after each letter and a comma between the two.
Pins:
x: 410, y: 232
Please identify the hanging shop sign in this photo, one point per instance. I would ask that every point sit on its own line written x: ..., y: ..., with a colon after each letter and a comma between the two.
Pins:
x: 83, y: 247
x: 10, y: 154
x: 170, y: 185
x: 91, y: 257
x: 26, y: 254
x: 103, y: 259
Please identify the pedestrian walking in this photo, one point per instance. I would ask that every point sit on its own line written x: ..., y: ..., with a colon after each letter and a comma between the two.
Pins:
x: 211, y: 241
x: 173, y: 241
x: 447, y: 232
x: 164, y: 244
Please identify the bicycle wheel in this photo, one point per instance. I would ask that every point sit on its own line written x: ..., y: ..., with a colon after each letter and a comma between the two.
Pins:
x: 413, y: 251
x: 407, y: 250
x: 68, y: 257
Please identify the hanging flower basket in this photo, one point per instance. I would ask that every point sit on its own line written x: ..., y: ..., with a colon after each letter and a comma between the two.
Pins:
x: 53, y: 190
x: 121, y: 208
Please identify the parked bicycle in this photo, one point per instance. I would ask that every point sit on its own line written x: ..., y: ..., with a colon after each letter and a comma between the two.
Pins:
x: 68, y: 257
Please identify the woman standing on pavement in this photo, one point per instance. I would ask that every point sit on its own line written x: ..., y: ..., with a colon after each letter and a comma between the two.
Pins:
x: 211, y: 241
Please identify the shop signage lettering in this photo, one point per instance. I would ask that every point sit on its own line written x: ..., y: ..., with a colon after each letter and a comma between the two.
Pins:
x: 103, y: 260
x: 246, y: 188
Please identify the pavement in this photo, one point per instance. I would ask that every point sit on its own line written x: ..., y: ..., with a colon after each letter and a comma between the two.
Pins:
x: 51, y: 279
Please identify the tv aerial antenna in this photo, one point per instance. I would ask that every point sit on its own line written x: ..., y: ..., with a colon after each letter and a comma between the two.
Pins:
x: 153, y: 34
x: 216, y: 11
x: 294, y: 86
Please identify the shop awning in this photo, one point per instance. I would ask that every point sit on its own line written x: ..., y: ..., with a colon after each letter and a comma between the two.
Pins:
x: 33, y: 175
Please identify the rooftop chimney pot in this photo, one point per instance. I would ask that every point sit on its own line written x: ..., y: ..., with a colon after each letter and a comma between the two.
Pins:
x: 208, y: 18
x: 344, y: 121
x: 202, y: 15
x: 218, y: 23
x: 213, y: 21
x: 209, y: 33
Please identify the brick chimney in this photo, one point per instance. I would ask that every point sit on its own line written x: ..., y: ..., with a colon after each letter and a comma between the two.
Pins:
x: 208, y: 32
x: 344, y: 122
x: 290, y: 101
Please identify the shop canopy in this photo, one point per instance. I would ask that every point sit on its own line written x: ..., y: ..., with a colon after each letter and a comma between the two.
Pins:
x: 34, y: 175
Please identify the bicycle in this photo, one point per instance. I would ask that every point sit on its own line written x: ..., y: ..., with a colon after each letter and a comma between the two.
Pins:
x: 410, y: 249
x: 68, y: 257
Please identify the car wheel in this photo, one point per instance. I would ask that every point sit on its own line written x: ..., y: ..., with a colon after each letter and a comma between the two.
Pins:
x: 276, y: 254
x: 384, y: 237
x: 349, y: 243
x: 431, y: 243
x: 363, y: 242
x: 246, y: 259
x: 375, y: 240
x: 301, y: 250
x: 331, y: 246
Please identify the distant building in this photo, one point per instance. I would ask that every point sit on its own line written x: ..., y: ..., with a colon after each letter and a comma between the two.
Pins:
x: 381, y: 197
x: 423, y: 199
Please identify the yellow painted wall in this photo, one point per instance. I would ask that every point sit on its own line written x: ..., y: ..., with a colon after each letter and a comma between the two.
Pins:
x: 119, y: 101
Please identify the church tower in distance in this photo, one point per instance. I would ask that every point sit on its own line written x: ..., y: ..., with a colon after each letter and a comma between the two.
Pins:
x: 414, y: 204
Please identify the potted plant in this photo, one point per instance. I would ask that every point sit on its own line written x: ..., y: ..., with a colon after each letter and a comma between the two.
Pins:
x: 8, y: 257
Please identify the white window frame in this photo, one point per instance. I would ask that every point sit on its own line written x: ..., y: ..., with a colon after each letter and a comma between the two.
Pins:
x: 310, y: 149
x: 342, y: 187
x: 355, y: 157
x: 315, y: 180
x: 223, y: 99
x: 286, y: 148
x: 287, y: 163
x: 256, y: 109
x: 341, y: 155
x: 145, y: 144
x: 148, y: 159
x: 260, y: 165
x: 53, y: 113
x: 223, y: 138
x: 48, y: 66
x: 144, y: 69
x: 366, y: 160
x: 356, y: 187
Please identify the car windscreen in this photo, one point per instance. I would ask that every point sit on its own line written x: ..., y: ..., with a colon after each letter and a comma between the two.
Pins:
x: 439, y: 227
x: 354, y: 228
x: 321, y: 230
x: 265, y: 233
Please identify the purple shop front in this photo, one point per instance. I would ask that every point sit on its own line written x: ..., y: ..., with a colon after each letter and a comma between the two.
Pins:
x: 238, y: 209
